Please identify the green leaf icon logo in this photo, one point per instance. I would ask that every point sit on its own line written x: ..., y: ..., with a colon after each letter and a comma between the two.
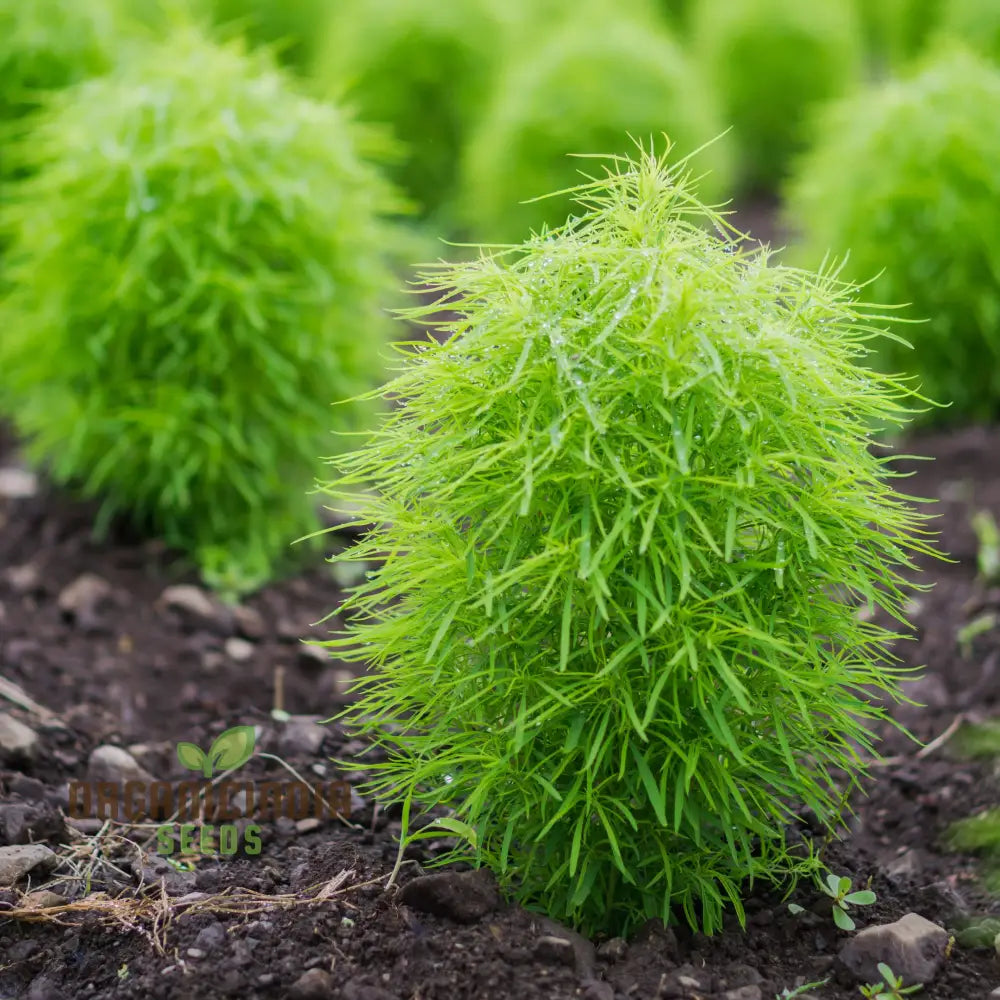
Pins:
x: 231, y: 749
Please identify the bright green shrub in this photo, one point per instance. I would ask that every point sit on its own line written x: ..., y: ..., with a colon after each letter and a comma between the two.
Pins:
x: 626, y: 512
x: 47, y: 44
x: 771, y: 62
x: 906, y: 180
x: 898, y: 29
x: 421, y: 66
x: 593, y: 83
x: 193, y: 272
x: 290, y: 26
x: 976, y: 22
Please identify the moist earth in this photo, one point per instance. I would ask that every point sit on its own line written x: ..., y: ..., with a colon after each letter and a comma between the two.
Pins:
x: 111, y: 644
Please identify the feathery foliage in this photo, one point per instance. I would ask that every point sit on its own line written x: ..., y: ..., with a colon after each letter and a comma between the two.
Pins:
x: 291, y: 27
x: 771, y: 62
x: 47, y: 44
x: 976, y: 22
x: 626, y: 509
x: 192, y: 280
x: 421, y: 66
x: 592, y: 83
x: 907, y: 178
x: 898, y: 29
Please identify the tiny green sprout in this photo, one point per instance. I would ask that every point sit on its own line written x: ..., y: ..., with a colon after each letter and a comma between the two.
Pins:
x: 988, y: 553
x: 968, y: 633
x: 891, y: 987
x: 838, y: 888
x: 800, y: 991
x: 123, y: 972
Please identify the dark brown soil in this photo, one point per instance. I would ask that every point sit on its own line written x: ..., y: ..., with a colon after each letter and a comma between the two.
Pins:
x: 308, y: 917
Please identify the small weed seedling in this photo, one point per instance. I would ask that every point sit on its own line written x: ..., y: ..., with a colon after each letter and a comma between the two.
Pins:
x: 988, y: 537
x: 891, y: 987
x: 968, y: 633
x: 838, y: 888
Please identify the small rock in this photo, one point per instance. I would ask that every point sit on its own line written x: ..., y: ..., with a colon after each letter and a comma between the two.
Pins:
x: 43, y: 899
x: 23, y: 579
x: 239, y: 650
x: 308, y: 825
x: 44, y: 988
x: 18, y: 742
x: 912, y: 947
x: 613, y: 950
x: 30, y: 822
x: 195, y: 953
x: 905, y: 867
x: 595, y: 989
x: 312, y: 985
x: 353, y: 990
x: 684, y: 981
x: 115, y: 765
x: 288, y: 631
x: 249, y: 622
x: 554, y: 949
x: 19, y: 860
x: 994, y: 994
x: 313, y: 657
x: 302, y: 734
x: 584, y: 955
x: 945, y: 901
x: 17, y: 484
x: 742, y: 993
x: 210, y: 938
x: 740, y: 974
x: 461, y: 896
x: 81, y: 601
x: 174, y: 883
x: 197, y: 608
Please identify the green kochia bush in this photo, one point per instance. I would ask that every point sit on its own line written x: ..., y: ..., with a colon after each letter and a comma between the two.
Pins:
x: 587, y: 87
x: 771, y: 61
x: 898, y: 29
x: 192, y: 280
x: 421, y: 66
x: 906, y: 180
x: 291, y: 26
x: 46, y: 44
x: 626, y: 511
x: 976, y: 22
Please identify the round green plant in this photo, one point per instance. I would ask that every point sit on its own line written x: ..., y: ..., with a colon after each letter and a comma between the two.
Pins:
x: 48, y: 44
x: 976, y: 22
x: 421, y: 66
x: 193, y: 277
x: 897, y: 30
x: 904, y: 181
x: 592, y: 83
x: 624, y: 517
x: 771, y: 62
x: 290, y: 27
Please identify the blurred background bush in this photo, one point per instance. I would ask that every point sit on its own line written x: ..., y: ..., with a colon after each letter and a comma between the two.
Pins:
x: 872, y: 123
